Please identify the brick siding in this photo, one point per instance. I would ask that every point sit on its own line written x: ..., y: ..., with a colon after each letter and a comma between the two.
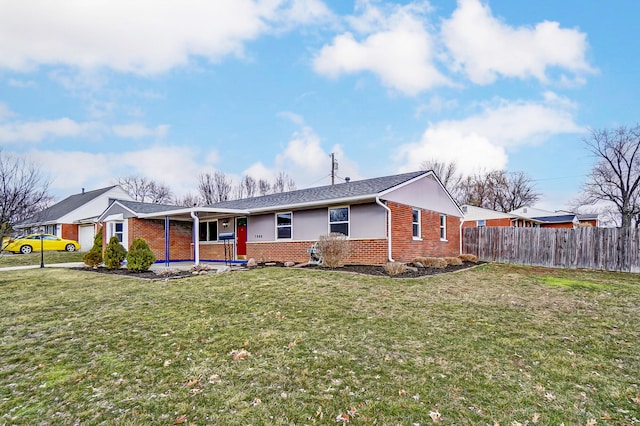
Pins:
x: 370, y: 251
x: 505, y: 221
x: 69, y: 231
x: 405, y: 248
x: 152, y: 231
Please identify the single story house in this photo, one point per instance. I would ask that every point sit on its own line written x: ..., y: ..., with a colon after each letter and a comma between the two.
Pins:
x: 478, y: 217
x: 387, y: 218
x: 558, y: 219
x: 74, y: 217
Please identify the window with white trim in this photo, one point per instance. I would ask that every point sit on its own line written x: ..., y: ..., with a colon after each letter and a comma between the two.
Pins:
x: 117, y: 230
x: 481, y: 223
x: 284, y: 225
x: 443, y: 227
x: 208, y: 231
x: 339, y: 220
x: 415, y: 220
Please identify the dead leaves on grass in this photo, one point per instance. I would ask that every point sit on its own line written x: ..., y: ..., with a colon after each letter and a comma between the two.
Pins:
x: 239, y: 355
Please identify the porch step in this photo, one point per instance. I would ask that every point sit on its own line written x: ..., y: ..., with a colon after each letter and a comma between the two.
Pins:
x: 241, y: 257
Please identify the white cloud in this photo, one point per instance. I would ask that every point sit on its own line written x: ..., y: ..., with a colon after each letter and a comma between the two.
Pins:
x: 144, y: 36
x: 398, y: 49
x: 292, y: 117
x: 138, y: 130
x: 484, y: 48
x: 482, y: 141
x: 176, y: 166
x: 36, y: 131
x: 306, y: 162
x: 21, y: 84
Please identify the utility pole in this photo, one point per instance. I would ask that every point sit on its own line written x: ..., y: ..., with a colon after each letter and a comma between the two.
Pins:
x: 334, y: 167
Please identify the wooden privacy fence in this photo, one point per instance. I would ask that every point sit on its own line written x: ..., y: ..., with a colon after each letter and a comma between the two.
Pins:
x: 610, y: 249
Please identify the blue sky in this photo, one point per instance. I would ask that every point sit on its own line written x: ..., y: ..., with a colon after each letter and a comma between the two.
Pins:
x: 101, y: 89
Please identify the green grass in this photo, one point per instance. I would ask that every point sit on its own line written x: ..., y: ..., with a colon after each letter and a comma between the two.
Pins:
x: 493, y: 344
x: 10, y: 259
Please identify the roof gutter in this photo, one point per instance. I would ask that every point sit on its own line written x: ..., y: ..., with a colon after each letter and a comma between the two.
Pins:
x: 389, y: 246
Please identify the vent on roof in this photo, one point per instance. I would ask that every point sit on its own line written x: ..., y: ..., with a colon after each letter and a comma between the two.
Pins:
x: 524, y: 210
x: 347, y: 179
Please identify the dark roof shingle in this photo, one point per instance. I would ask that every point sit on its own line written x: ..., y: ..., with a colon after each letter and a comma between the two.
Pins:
x: 352, y: 189
x: 64, y: 207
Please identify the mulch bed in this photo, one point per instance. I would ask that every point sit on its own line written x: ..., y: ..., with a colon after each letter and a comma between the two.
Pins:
x: 374, y: 270
x: 378, y: 270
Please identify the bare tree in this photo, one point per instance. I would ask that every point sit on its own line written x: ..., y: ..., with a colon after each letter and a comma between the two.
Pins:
x: 214, y: 188
x: 247, y: 188
x: 145, y: 190
x: 264, y: 187
x: 23, y: 191
x: 187, y: 200
x: 615, y: 178
x: 447, y: 172
x: 497, y: 190
x: 283, y: 183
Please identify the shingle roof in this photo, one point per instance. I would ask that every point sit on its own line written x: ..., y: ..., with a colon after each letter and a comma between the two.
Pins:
x: 556, y: 219
x: 145, y: 208
x: 65, y: 206
x: 352, y: 189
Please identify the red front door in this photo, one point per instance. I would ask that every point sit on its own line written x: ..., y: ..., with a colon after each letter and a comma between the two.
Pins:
x: 241, y: 248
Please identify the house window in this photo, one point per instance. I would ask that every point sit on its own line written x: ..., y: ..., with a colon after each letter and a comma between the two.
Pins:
x: 51, y: 229
x: 481, y: 223
x: 117, y: 230
x: 208, y: 231
x: 284, y: 225
x: 339, y: 220
x: 443, y: 227
x: 416, y: 223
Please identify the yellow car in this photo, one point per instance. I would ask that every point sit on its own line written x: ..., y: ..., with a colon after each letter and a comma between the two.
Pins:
x: 32, y: 243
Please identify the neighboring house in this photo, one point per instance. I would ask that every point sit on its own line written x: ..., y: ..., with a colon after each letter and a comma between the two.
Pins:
x: 558, y: 219
x: 74, y: 217
x: 477, y: 217
x: 394, y: 217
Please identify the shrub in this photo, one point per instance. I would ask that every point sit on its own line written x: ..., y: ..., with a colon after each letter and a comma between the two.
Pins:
x: 453, y: 260
x: 395, y: 268
x: 114, y: 254
x: 468, y: 257
x: 431, y: 262
x: 93, y: 257
x: 140, y: 256
x: 333, y: 249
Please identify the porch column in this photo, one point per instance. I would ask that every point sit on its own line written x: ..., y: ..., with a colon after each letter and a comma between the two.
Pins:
x: 196, y: 231
x: 166, y: 241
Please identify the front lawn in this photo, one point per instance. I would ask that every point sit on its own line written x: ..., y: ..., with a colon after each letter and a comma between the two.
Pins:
x: 10, y: 259
x: 495, y: 344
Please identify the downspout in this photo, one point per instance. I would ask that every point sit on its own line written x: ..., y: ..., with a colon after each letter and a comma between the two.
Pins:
x: 389, y: 246
x: 196, y: 245
x: 460, y: 235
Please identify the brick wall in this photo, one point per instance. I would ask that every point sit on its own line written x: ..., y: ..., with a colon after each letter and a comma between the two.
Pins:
x: 69, y: 231
x: 152, y: 231
x: 557, y: 225
x: 405, y: 248
x: 505, y: 221
x: 361, y: 251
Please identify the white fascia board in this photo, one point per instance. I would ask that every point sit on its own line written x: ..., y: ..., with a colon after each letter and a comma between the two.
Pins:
x: 194, y: 210
x: 319, y: 203
x: 100, y: 218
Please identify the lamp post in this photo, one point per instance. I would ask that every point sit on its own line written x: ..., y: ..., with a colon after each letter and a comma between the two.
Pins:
x: 41, y: 251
